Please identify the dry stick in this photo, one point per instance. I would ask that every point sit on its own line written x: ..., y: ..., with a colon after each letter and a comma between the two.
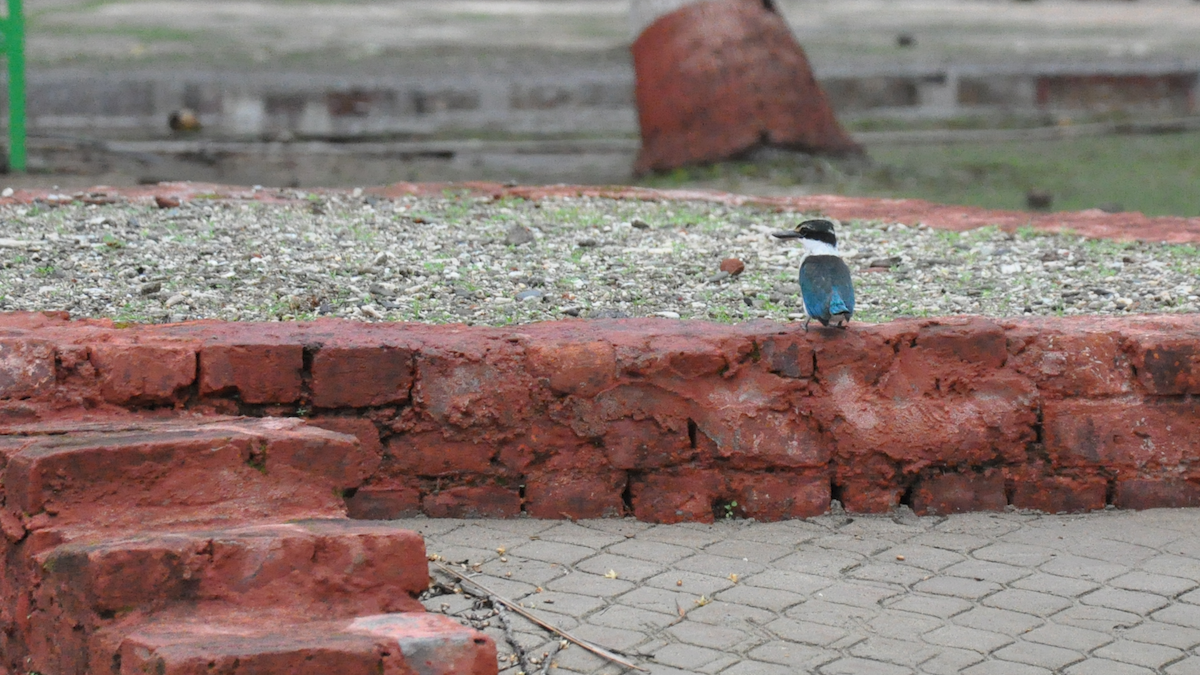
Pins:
x: 598, y: 651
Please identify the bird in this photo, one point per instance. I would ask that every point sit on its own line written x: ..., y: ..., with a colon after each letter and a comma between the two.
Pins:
x: 825, y: 284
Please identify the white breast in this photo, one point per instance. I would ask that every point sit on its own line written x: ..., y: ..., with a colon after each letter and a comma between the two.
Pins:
x: 814, y: 247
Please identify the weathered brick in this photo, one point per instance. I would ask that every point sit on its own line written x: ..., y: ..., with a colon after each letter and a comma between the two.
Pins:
x: 1057, y: 494
x: 780, y: 496
x: 361, y: 377
x: 579, y: 494
x: 26, y: 368
x: 788, y: 356
x: 143, y: 373
x: 373, y: 502
x: 1156, y: 494
x: 582, y: 369
x: 869, y: 496
x: 1121, y: 433
x: 644, y: 444
x: 259, y: 373
x: 955, y: 493
x: 1168, y: 364
x: 473, y: 502
x: 1088, y: 364
x: 677, y: 495
x: 430, y: 454
x: 766, y: 440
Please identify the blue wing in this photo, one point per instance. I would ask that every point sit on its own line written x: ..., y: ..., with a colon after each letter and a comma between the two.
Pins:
x: 826, y: 287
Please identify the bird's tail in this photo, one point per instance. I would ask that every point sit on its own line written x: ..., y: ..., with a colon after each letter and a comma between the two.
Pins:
x: 837, y: 305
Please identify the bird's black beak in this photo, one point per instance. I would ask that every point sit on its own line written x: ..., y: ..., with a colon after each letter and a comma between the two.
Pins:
x: 786, y: 234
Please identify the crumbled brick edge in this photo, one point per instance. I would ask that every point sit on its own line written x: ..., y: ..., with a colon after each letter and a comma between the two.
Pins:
x: 670, y: 420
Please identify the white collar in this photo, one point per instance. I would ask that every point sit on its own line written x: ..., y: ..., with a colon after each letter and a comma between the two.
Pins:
x: 814, y: 247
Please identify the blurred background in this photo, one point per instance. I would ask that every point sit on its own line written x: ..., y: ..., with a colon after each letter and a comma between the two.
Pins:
x: 1038, y: 104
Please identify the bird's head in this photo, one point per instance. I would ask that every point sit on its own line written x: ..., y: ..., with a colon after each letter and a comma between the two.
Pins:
x: 819, y: 230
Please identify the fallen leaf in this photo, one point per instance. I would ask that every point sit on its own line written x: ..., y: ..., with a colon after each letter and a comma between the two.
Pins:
x: 611, y: 574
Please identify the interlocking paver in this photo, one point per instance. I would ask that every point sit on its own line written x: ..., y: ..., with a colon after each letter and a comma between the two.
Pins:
x: 1107, y: 592
x: 1139, y: 653
x: 1034, y: 654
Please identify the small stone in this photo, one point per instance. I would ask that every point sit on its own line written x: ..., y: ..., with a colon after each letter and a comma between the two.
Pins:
x: 150, y: 288
x: 718, y: 277
x: 885, y: 263
x: 531, y: 295
x: 571, y: 311
x: 636, y: 223
x: 8, y: 192
x: 733, y: 266
x: 667, y: 315
x: 608, y: 314
x: 517, y: 235
x: 381, y: 259
x: 165, y: 202
x: 1124, y: 303
x: 587, y: 243
x: 382, y: 289
x: 176, y: 299
x: 370, y: 311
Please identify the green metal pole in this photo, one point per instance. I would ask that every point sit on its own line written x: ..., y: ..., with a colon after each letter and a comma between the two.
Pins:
x: 14, y: 45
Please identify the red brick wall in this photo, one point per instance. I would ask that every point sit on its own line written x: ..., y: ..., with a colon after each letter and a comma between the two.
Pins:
x: 671, y: 420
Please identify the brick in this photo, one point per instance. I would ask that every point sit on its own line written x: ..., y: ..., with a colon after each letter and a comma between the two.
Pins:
x: 581, y: 369
x: 473, y: 502
x: 363, y: 429
x: 140, y: 374
x: 676, y: 496
x: 1156, y: 494
x: 430, y: 454
x: 956, y: 493
x: 644, y: 444
x: 26, y: 368
x: 384, y: 503
x: 1167, y: 365
x: 1061, y: 494
x: 258, y: 373
x: 1086, y: 364
x: 361, y: 377
x: 972, y: 341
x: 866, y: 496
x: 766, y: 440
x: 780, y: 496
x: 788, y: 356
x: 575, y: 494
x: 1120, y: 433
x: 466, y: 392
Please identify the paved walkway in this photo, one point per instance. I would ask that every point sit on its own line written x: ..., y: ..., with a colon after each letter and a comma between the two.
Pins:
x: 1012, y: 593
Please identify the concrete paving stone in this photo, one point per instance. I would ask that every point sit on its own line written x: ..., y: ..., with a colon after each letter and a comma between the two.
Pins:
x: 627, y: 527
x: 1068, y: 637
x: 862, y: 545
x: 1055, y: 585
x: 792, y: 654
x: 630, y: 569
x: 620, y: 616
x: 572, y: 533
x: 1078, y: 567
x: 956, y: 542
x: 509, y: 588
x: 1180, y: 614
x: 1000, y: 667
x: 784, y: 580
x: 682, y: 535
x: 857, y: 594
x: 1155, y: 632
x: 749, y: 667
x: 1191, y: 598
x: 478, y: 535
x: 1020, y: 555
x: 726, y: 613
x: 998, y: 620
x: 693, y: 583
x: 616, y: 639
x: 1186, y: 546
x: 1029, y: 602
x: 1095, y: 666
x: 650, y: 646
x: 450, y: 604
x: 889, y: 572
x: 458, y: 554
x: 719, y: 566
x: 932, y: 605
x: 1096, y: 618
x: 821, y: 562
x: 958, y: 587
x: 982, y: 641
x: 1035, y: 654
x: 692, y: 658
x: 1171, y: 565
x: 550, y: 615
x: 575, y: 658
x: 746, y: 550
x: 1160, y: 584
x: 706, y: 635
x: 651, y: 551
x: 924, y: 557
x: 950, y: 661
x: 430, y: 527
x: 534, y: 572
x: 1139, y: 653
x: 903, y: 625
x: 990, y: 525
x: 590, y: 584
x: 773, y: 599
x: 1137, y: 602
x: 786, y: 533
x: 885, y: 527
x: 857, y: 666
x: 1109, y: 550
x: 571, y: 604
x: 1188, y: 666
x: 807, y: 632
x: 832, y: 614
x: 888, y: 650
x: 551, y: 552
x: 1131, y: 528
x: 656, y: 599
x: 985, y: 570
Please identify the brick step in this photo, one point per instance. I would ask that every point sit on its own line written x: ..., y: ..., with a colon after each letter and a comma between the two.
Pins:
x: 318, y: 569
x: 415, y: 642
x: 185, y: 473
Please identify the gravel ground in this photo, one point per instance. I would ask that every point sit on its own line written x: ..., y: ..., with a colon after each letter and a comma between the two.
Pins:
x: 478, y: 261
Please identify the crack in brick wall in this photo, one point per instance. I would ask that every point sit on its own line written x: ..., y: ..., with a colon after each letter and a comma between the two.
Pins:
x: 671, y: 421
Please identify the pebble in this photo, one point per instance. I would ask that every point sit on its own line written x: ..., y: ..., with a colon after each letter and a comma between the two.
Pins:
x: 518, y: 235
x: 733, y: 266
x: 531, y: 295
x: 150, y: 288
x: 177, y: 299
x: 637, y: 223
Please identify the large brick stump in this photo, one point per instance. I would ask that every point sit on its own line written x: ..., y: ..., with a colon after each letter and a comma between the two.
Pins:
x: 718, y: 79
